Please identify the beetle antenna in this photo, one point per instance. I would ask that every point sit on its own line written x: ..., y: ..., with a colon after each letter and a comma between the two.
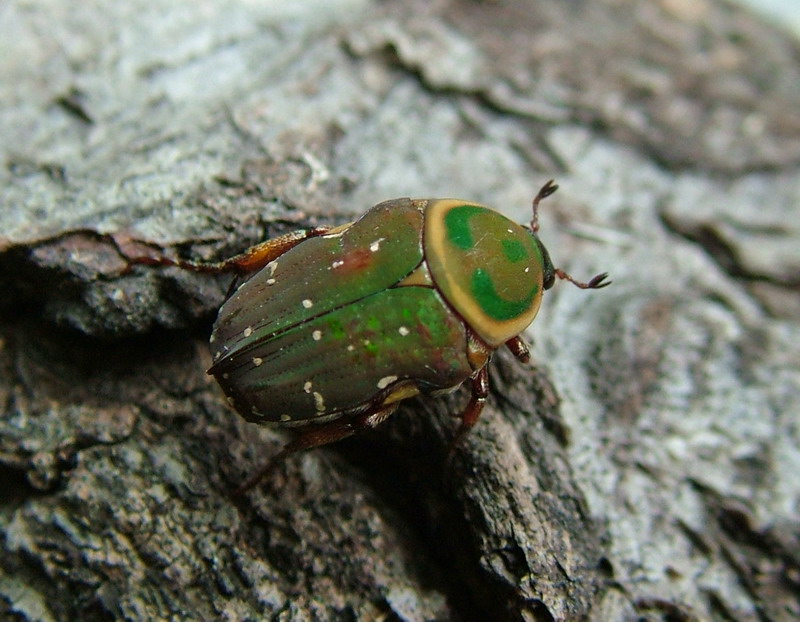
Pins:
x: 549, y: 188
x: 596, y: 282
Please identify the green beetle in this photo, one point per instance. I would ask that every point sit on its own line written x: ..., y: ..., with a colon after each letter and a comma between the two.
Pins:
x: 411, y: 298
x: 332, y: 328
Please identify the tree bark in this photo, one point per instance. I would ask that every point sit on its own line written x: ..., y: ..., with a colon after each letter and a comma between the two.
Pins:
x: 644, y: 466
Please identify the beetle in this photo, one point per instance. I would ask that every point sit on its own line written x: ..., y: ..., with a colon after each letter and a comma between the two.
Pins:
x: 331, y: 328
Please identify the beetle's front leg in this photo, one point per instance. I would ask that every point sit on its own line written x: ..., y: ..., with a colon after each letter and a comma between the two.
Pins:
x: 470, y: 415
x: 519, y: 349
x: 322, y: 434
x: 254, y: 258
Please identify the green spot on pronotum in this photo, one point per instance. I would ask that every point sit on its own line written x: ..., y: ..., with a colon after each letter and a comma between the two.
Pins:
x: 490, y: 301
x: 514, y: 250
x: 456, y: 221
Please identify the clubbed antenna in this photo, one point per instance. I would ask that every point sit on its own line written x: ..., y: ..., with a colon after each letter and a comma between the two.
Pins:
x: 597, y: 282
x: 549, y: 188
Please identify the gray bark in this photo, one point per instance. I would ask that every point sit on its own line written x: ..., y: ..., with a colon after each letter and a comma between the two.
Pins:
x: 644, y: 467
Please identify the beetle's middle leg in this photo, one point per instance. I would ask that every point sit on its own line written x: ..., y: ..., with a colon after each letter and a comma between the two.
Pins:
x: 322, y: 434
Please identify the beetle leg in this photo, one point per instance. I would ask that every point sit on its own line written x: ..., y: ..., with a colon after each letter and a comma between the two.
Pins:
x: 519, y: 349
x: 469, y: 416
x: 254, y: 258
x: 323, y: 434
x: 258, y: 256
x: 478, y: 352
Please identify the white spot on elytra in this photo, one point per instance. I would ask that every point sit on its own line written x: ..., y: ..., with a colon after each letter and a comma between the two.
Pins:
x: 351, y: 347
x: 403, y: 331
x: 257, y: 360
x: 286, y: 418
x: 528, y: 269
x: 376, y: 245
x: 319, y: 401
x: 226, y: 375
x: 307, y: 303
x: 247, y: 331
x: 386, y: 381
x: 307, y: 386
x: 337, y: 264
x: 212, y: 339
x: 316, y: 335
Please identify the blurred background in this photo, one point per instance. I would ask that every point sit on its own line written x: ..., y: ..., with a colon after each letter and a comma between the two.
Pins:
x: 644, y: 466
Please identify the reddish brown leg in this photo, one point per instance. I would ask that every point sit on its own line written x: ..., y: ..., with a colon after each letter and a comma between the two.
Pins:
x: 519, y: 349
x: 596, y: 282
x: 254, y: 258
x: 470, y: 415
x: 317, y: 436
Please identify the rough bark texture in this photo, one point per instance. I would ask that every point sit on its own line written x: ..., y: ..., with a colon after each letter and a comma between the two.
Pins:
x: 644, y: 468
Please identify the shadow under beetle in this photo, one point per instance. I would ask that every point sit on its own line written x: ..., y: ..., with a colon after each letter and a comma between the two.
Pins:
x: 332, y: 328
